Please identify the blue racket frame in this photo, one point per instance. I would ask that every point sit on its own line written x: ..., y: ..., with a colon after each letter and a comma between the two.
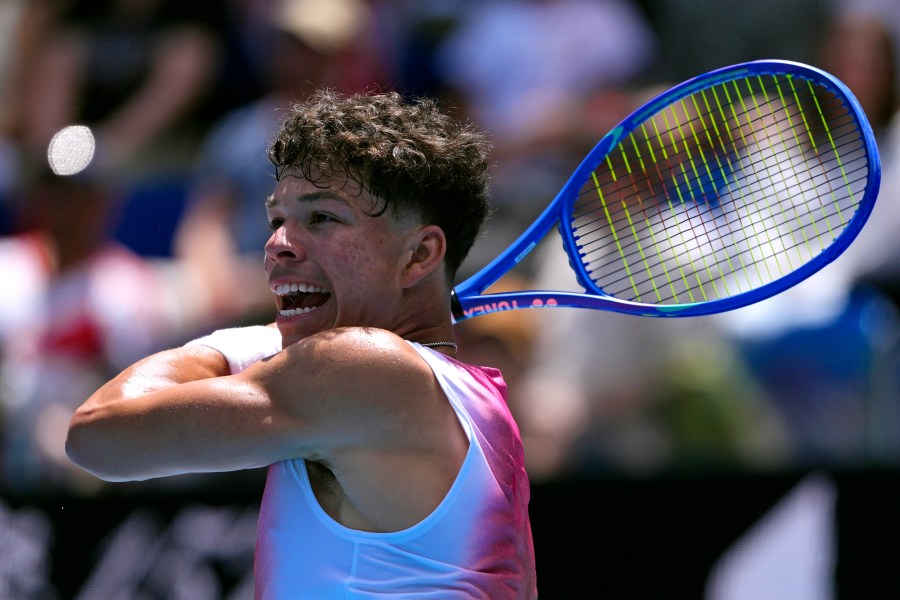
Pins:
x: 469, y: 300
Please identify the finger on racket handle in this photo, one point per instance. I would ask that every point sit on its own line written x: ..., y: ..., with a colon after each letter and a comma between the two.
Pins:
x: 720, y: 192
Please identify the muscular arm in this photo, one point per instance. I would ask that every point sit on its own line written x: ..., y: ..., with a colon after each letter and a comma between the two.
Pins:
x: 176, y: 412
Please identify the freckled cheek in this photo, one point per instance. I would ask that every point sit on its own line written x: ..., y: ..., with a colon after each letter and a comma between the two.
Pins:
x: 355, y: 260
x: 362, y: 252
x: 351, y: 253
x: 361, y: 257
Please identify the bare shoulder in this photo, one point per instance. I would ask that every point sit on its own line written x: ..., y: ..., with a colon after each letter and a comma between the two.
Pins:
x: 365, y: 352
x: 352, y: 387
x: 369, y: 341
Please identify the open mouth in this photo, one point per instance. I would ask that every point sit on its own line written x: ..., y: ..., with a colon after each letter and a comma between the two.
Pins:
x: 298, y: 298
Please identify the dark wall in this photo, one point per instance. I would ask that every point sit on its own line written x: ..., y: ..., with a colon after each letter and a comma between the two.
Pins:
x: 601, y: 538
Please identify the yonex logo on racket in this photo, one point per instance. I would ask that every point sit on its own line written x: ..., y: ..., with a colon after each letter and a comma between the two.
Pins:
x: 491, y: 307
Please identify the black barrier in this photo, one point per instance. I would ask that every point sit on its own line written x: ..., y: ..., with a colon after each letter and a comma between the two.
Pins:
x: 132, y: 541
x: 605, y: 537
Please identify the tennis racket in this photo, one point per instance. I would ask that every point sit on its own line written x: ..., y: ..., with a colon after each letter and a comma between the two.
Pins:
x: 720, y: 192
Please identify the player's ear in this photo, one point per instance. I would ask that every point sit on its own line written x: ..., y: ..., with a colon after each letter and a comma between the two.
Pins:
x: 427, y: 248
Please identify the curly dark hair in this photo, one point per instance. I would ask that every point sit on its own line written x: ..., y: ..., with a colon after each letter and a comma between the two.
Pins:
x: 411, y: 155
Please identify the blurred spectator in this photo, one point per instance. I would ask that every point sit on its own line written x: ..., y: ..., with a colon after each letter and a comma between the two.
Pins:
x: 75, y: 307
x: 145, y: 76
x: 308, y: 44
x: 544, y: 77
x: 701, y: 35
x: 23, y: 27
x: 412, y: 36
x: 860, y: 48
x: 136, y: 71
x: 520, y: 65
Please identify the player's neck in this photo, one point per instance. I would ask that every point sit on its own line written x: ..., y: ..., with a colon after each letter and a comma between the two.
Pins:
x: 426, y: 319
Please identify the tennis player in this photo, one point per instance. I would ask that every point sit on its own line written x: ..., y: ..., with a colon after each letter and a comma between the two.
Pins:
x: 393, y: 468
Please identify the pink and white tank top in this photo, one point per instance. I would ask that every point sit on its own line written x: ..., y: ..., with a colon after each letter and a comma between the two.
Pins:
x: 476, y: 544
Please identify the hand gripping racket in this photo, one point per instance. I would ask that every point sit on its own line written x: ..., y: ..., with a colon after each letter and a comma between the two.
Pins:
x: 720, y: 192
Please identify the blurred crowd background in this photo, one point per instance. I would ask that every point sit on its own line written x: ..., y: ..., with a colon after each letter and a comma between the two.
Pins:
x: 160, y: 239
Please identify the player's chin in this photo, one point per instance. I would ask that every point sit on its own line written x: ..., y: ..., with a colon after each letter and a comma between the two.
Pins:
x: 295, y: 325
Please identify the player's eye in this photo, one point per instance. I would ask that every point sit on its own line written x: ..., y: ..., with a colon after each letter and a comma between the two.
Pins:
x: 321, y: 218
x: 274, y: 224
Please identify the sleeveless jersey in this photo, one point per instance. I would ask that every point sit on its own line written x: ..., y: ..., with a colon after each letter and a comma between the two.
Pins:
x: 476, y: 544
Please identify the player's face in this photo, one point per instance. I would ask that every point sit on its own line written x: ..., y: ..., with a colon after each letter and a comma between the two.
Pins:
x: 329, y: 261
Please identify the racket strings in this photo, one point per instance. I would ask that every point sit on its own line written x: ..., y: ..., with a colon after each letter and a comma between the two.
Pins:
x: 593, y: 233
x: 722, y: 262
x: 726, y: 190
x: 700, y: 236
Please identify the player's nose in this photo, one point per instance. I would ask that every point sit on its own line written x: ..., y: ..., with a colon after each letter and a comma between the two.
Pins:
x: 283, y: 246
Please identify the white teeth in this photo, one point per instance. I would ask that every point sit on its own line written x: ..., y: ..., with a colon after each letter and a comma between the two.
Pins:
x: 283, y: 289
x: 296, y: 311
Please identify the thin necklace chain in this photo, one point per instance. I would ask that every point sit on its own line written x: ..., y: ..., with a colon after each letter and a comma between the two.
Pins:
x: 433, y: 344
